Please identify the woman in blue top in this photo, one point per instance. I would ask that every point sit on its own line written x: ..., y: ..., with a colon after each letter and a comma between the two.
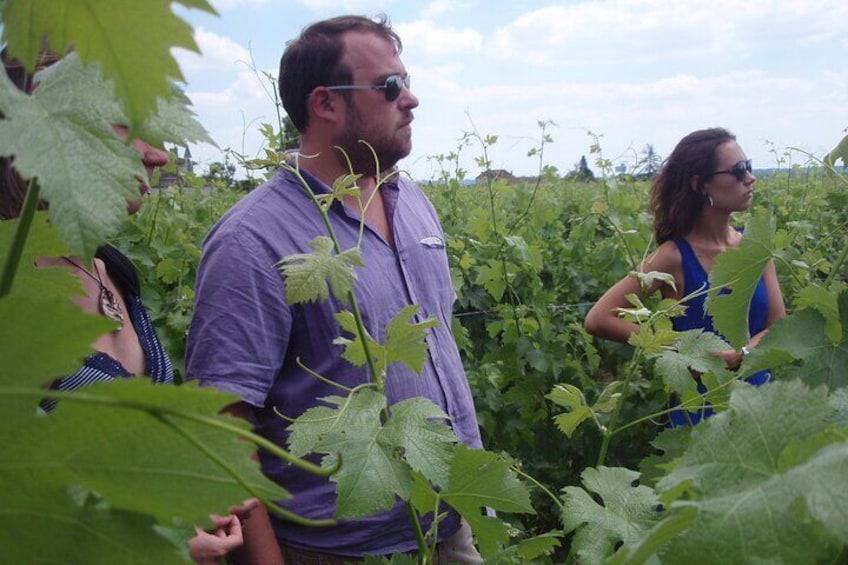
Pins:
x: 706, y: 178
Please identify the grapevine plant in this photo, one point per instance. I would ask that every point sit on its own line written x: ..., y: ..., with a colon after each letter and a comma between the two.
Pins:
x: 74, y: 477
x: 118, y: 472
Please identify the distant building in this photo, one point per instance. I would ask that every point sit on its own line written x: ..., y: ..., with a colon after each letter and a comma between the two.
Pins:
x: 504, y: 175
x: 496, y: 174
x: 184, y: 165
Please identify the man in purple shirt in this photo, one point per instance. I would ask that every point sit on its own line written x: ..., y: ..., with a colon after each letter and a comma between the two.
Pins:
x: 341, y: 81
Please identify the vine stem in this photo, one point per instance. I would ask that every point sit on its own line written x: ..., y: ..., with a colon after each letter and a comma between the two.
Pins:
x: 272, y: 505
x: 419, y: 535
x: 19, y: 239
x: 539, y: 485
x: 156, y: 411
x: 354, y: 305
x: 625, y: 392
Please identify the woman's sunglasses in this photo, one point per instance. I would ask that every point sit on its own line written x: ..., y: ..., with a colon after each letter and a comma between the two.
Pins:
x: 391, y: 88
x: 739, y: 170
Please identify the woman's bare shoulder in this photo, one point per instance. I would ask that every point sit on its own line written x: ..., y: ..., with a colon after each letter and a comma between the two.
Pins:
x: 666, y: 258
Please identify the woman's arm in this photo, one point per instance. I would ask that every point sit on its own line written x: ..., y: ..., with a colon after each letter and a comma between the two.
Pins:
x: 603, y: 320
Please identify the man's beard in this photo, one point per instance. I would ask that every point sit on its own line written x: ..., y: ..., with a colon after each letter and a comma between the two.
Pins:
x: 358, y: 141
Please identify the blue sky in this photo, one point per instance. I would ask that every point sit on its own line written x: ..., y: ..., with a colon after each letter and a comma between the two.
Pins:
x: 634, y: 72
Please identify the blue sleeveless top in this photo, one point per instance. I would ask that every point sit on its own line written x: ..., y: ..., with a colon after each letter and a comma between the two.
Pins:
x: 696, y: 278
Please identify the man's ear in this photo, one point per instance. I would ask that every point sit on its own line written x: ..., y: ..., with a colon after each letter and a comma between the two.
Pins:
x: 324, y: 105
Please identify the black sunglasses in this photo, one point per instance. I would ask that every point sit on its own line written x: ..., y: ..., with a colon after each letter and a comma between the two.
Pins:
x: 739, y: 170
x: 391, y: 88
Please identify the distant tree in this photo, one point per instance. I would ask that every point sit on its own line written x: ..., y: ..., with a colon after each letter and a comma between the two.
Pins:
x: 289, y: 137
x: 649, y: 164
x: 223, y: 174
x: 581, y: 171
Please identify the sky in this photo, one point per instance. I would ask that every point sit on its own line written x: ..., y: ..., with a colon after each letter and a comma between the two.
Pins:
x: 620, y: 73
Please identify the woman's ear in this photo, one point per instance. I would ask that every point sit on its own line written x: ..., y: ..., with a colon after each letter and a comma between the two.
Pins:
x: 695, y: 184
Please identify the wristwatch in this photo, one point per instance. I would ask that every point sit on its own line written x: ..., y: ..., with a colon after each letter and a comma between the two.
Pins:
x: 745, y: 351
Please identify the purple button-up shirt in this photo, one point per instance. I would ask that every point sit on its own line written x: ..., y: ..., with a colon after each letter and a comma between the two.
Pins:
x: 245, y: 338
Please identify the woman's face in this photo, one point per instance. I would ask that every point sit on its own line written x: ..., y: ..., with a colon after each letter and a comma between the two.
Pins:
x: 151, y: 157
x: 730, y: 186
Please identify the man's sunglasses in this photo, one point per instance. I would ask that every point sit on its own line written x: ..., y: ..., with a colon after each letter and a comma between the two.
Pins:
x: 391, y: 88
x: 739, y: 170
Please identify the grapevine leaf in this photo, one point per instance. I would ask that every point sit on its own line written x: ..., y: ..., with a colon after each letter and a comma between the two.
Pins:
x: 692, y: 353
x: 527, y: 550
x: 492, y: 278
x: 395, y: 559
x: 671, y: 444
x: 404, y: 341
x: 91, y: 172
x: 174, y: 121
x: 825, y: 303
x: 627, y: 514
x: 656, y: 538
x: 38, y: 315
x: 373, y: 473
x: 481, y: 479
x: 647, y: 280
x: 136, y: 57
x: 740, y: 269
x: 308, y: 431
x: 653, y: 340
x: 419, y: 427
x: 839, y: 152
x: 69, y: 117
x: 761, y: 481
x: 571, y: 398
x: 310, y: 277
x: 805, y: 336
x: 81, y: 535
x: 116, y: 440
x: 377, y: 459
x: 609, y: 397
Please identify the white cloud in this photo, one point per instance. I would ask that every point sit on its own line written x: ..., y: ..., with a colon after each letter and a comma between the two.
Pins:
x: 217, y: 52
x: 441, y: 7
x: 226, y: 5
x: 425, y: 37
x: 649, y: 30
x: 352, y: 6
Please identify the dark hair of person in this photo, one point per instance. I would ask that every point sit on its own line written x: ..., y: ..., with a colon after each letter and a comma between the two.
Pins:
x: 315, y: 59
x: 13, y: 188
x: 676, y: 204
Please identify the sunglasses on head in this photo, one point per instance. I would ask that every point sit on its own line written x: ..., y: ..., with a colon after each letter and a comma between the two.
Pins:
x: 739, y: 170
x: 391, y: 88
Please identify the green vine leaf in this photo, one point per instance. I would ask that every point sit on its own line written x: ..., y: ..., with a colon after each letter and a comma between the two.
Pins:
x: 39, y: 315
x: 136, y: 57
x: 571, y: 398
x: 378, y: 458
x: 419, y: 428
x: 404, y: 341
x: 480, y: 479
x: 373, y: 473
x: 806, y: 336
x: 111, y: 435
x: 773, y: 453
x: 626, y: 516
x: 740, y: 269
x: 69, y: 117
x: 691, y: 353
x: 310, y: 277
